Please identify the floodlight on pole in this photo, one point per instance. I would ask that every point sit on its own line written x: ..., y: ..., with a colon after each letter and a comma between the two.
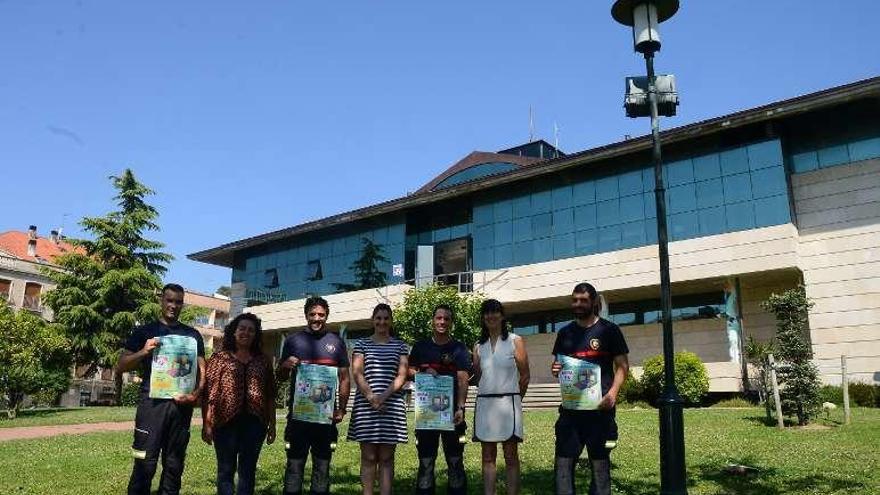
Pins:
x: 644, y: 98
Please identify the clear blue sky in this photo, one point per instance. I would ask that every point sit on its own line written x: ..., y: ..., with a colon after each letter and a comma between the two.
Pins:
x: 247, y: 117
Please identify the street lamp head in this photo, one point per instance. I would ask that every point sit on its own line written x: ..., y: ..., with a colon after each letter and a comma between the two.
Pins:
x: 644, y: 16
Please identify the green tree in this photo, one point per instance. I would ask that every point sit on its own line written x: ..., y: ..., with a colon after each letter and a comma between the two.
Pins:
x: 224, y: 290
x: 366, y: 270
x: 189, y: 314
x: 798, y: 375
x: 110, y: 284
x: 691, y: 377
x: 34, y: 357
x: 412, y: 317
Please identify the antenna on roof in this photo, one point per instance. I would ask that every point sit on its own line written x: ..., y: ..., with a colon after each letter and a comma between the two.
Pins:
x: 531, y: 125
x: 556, y: 138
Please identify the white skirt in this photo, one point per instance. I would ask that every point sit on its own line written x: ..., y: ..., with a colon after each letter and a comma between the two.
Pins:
x: 498, y: 418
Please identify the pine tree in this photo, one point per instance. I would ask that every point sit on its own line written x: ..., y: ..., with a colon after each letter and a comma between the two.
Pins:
x: 110, y: 286
x: 366, y: 268
x: 798, y: 375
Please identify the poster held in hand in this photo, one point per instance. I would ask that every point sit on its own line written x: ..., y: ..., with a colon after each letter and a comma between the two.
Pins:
x: 434, y: 402
x: 314, y: 394
x: 580, y: 383
x: 174, y: 368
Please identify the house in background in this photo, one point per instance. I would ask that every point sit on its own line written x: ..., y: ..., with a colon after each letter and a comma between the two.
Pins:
x: 758, y: 201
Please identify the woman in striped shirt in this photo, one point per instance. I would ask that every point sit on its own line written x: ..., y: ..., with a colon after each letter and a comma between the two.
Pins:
x: 378, y: 422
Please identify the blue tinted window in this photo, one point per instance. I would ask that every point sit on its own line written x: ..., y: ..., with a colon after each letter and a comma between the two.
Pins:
x: 710, y: 193
x: 833, y: 155
x: 483, y: 214
x: 804, y: 162
x: 683, y: 226
x: 543, y: 249
x: 503, y: 210
x: 772, y: 211
x: 428, y: 236
x: 443, y: 234
x: 650, y: 201
x: 541, y: 202
x: 522, y: 253
x: 608, y: 213
x: 633, y: 234
x: 609, y: 238
x: 606, y: 188
x: 338, y: 246
x: 380, y: 236
x: 562, y: 197
x: 737, y: 188
x: 484, y: 258
x: 651, y: 231
x: 503, y: 256
x: 584, y: 193
x: 522, y: 206
x: 459, y: 231
x: 586, y: 242
x: 740, y: 216
x: 864, y: 149
x: 768, y: 182
x: 712, y: 221
x: 680, y: 172
x: 585, y: 217
x: 648, y: 179
x: 396, y: 233
x: 503, y: 233
x: 542, y: 225
x: 484, y: 236
x: 735, y: 161
x: 563, y: 221
x: 707, y: 167
x: 681, y: 198
x: 475, y: 172
x: 522, y: 229
x: 630, y: 183
x: 766, y: 154
x: 563, y: 246
x: 632, y: 208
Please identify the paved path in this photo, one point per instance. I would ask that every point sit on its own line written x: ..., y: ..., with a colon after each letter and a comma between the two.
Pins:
x: 26, y: 432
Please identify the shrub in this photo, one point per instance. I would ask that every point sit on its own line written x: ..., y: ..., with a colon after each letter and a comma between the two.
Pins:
x: 691, y: 377
x: 734, y: 402
x: 631, y: 391
x: 831, y: 393
x: 130, y: 394
x: 862, y: 394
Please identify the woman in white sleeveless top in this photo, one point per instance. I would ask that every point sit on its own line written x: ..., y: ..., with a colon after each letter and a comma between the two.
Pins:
x: 502, y: 367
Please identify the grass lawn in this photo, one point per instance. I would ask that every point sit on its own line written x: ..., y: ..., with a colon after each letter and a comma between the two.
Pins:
x: 840, y: 459
x: 75, y: 415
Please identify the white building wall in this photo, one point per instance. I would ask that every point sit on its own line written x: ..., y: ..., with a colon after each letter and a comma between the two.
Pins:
x: 838, y: 216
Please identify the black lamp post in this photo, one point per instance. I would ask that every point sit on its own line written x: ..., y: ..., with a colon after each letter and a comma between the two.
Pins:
x: 643, y: 99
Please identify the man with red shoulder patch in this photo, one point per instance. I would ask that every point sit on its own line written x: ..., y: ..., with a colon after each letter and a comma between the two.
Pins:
x: 600, y: 342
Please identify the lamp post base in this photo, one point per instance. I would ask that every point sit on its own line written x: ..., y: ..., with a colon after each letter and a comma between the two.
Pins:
x: 673, y: 473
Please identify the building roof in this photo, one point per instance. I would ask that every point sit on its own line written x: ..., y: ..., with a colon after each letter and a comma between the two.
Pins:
x: 15, y: 242
x: 223, y: 255
x: 474, y: 159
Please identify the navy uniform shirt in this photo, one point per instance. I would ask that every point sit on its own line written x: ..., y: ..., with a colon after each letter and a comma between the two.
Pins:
x: 315, y: 348
x: 139, y: 337
x: 599, y: 344
x: 446, y: 359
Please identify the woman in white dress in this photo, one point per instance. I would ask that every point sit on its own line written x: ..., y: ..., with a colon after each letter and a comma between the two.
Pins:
x: 502, y: 368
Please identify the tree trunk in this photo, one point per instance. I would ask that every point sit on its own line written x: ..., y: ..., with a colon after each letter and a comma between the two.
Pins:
x: 13, y: 403
x: 117, y: 385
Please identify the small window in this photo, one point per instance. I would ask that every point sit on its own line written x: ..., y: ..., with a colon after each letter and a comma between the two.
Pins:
x: 270, y: 278
x: 32, y: 296
x: 5, y: 289
x: 313, y: 270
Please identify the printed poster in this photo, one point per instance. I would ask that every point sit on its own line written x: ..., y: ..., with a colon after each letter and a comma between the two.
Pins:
x: 580, y: 383
x: 434, y: 402
x: 174, y: 367
x: 315, y: 393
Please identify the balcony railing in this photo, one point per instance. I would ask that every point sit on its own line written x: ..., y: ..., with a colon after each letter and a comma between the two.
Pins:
x: 462, y: 281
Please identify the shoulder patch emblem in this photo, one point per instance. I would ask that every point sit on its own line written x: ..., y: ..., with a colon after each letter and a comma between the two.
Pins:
x: 594, y: 344
x: 330, y: 348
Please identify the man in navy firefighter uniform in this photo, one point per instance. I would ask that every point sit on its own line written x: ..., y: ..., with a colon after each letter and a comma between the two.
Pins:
x: 442, y: 355
x: 601, y: 342
x: 313, y: 345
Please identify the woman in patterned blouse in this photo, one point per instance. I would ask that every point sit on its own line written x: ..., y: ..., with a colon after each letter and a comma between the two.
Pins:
x: 239, y: 408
